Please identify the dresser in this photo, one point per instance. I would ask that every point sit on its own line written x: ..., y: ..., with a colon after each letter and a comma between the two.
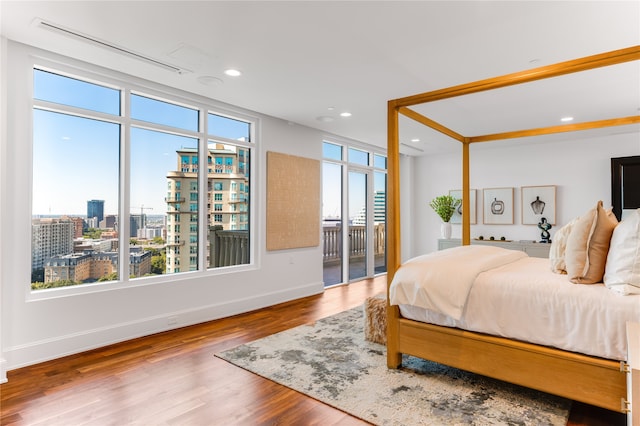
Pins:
x: 532, y: 248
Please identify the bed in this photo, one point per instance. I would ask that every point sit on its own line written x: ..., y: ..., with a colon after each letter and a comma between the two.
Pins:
x: 598, y: 378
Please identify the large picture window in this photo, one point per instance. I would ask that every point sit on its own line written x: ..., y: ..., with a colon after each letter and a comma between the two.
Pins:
x: 95, y: 221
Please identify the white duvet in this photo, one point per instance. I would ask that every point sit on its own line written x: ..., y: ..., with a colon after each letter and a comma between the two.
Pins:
x: 525, y: 300
x: 441, y: 281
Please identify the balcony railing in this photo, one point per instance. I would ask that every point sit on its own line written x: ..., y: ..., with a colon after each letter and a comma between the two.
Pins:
x: 332, y: 241
x: 229, y: 248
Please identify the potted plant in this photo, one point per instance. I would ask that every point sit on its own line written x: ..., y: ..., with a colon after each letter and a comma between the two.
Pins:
x: 445, y: 206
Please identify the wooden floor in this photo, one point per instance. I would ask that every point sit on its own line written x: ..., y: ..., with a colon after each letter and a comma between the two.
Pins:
x: 173, y: 378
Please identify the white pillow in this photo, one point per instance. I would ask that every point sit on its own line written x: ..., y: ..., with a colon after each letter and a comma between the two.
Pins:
x: 558, y: 247
x: 622, y: 271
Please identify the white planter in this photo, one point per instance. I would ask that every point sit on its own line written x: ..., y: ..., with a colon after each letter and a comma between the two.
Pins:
x: 445, y: 230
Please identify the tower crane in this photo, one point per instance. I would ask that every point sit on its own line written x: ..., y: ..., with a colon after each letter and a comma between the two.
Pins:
x: 142, y: 209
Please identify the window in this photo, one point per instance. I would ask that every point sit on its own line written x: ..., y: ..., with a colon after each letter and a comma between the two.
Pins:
x: 357, y: 156
x: 76, y: 201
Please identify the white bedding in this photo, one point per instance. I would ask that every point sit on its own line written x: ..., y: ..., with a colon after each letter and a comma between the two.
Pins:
x: 441, y: 281
x: 524, y: 300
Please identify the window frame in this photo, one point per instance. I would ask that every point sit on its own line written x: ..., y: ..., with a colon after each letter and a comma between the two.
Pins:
x: 31, y: 59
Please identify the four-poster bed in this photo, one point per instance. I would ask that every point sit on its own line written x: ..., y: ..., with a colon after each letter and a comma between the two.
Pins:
x: 593, y: 380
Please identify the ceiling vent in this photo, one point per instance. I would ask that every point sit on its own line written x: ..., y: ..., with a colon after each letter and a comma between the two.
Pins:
x: 107, y: 45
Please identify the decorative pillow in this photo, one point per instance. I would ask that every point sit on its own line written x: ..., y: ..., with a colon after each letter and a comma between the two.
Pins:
x: 588, y: 245
x: 558, y: 248
x: 622, y: 272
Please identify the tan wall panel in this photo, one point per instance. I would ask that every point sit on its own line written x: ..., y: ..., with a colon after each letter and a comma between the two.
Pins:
x: 293, y: 201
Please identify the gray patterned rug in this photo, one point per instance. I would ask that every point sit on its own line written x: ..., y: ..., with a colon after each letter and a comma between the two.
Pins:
x: 332, y: 362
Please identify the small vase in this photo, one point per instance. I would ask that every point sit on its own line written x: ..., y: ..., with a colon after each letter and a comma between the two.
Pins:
x: 445, y: 230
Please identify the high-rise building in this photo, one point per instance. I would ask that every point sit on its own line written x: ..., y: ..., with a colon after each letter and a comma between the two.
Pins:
x: 50, y: 237
x: 95, y: 208
x: 379, y: 210
x: 380, y: 207
x: 227, y: 201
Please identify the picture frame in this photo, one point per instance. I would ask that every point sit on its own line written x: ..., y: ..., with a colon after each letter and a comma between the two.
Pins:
x: 457, y: 215
x: 538, y: 202
x: 497, y: 206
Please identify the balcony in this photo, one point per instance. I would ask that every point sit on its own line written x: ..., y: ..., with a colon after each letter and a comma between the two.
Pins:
x: 175, y: 244
x: 228, y: 248
x: 174, y: 200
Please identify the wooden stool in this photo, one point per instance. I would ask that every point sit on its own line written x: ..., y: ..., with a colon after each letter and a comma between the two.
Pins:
x: 375, y: 319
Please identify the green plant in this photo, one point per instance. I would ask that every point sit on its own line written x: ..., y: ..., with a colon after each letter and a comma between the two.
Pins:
x: 445, y: 206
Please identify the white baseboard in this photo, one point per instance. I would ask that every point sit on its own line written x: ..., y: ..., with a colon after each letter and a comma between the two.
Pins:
x: 3, y: 370
x: 46, y: 350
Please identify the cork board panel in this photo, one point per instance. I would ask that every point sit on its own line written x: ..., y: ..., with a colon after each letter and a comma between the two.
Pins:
x: 293, y: 202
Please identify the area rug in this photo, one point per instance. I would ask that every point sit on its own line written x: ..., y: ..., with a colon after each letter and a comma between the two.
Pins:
x: 332, y: 362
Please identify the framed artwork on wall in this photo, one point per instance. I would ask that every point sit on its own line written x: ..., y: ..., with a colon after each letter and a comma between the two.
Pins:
x: 457, y: 215
x: 538, y: 202
x: 497, y: 206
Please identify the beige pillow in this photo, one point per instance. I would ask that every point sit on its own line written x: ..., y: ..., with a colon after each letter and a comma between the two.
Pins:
x: 559, y: 246
x: 588, y: 245
x: 622, y: 273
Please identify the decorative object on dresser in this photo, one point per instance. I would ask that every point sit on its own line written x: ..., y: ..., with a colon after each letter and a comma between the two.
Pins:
x: 497, y: 206
x: 445, y: 206
x: 538, y: 202
x: 545, y: 236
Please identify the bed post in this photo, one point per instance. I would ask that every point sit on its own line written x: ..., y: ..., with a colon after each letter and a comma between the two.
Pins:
x: 466, y: 203
x: 394, y: 357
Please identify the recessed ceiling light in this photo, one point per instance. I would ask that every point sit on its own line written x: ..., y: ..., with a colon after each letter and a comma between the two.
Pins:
x: 232, y: 72
x: 565, y: 119
x: 330, y: 108
x: 345, y: 114
x: 415, y: 140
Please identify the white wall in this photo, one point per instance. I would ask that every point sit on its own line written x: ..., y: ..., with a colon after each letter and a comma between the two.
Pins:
x: 581, y: 170
x: 3, y: 180
x: 34, y: 330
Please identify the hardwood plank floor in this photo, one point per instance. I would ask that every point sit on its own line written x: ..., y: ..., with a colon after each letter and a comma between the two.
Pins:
x: 173, y: 378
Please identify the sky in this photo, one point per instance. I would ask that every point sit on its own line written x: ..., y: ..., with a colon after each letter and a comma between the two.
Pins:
x: 77, y: 159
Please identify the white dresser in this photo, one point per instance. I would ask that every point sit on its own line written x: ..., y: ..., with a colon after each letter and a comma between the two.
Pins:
x: 532, y: 248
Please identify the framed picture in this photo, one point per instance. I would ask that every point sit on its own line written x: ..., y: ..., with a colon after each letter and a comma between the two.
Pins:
x: 497, y: 206
x: 457, y: 215
x: 538, y: 202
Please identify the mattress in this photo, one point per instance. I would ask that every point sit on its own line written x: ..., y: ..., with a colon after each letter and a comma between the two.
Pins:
x: 526, y: 301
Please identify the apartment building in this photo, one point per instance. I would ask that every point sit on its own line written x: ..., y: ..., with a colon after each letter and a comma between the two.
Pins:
x: 227, y: 201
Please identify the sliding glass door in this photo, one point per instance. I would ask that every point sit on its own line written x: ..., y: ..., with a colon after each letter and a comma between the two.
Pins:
x: 358, y: 224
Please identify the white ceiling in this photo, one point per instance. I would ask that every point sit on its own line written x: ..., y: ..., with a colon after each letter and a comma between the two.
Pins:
x: 301, y: 58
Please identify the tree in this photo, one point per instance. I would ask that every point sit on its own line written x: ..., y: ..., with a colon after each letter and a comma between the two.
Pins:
x: 110, y: 277
x: 92, y: 233
x: 159, y: 263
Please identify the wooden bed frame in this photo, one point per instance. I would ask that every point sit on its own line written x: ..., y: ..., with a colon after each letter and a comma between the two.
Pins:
x: 587, y: 379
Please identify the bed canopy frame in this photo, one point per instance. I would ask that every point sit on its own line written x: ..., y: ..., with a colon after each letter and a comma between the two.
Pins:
x: 575, y: 376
